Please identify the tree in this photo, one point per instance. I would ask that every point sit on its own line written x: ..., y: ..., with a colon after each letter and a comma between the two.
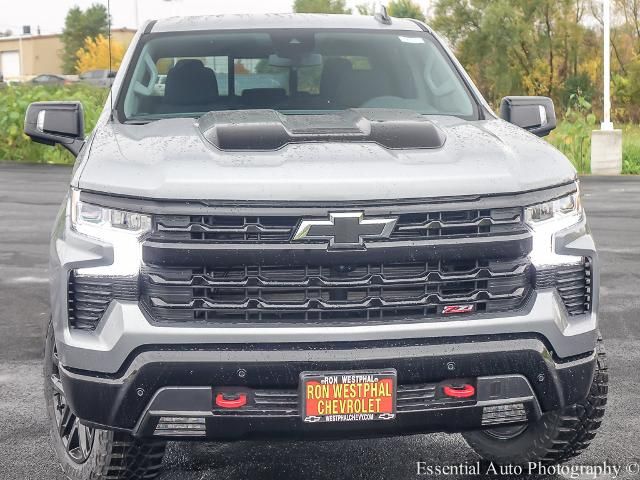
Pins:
x: 95, y: 54
x: 79, y: 25
x: 405, y: 9
x: 320, y: 6
x: 366, y: 9
x: 528, y: 47
x: 630, y: 10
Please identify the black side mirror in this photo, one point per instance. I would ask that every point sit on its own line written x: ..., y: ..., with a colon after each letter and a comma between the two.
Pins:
x: 54, y: 123
x: 535, y: 114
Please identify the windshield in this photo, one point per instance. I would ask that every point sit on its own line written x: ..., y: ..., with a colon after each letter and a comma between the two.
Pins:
x: 292, y: 71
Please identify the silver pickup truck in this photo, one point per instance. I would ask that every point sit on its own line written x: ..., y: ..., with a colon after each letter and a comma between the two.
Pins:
x: 316, y: 229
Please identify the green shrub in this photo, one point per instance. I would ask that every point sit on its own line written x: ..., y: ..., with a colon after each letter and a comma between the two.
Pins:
x: 631, y: 150
x: 14, y: 100
x: 576, y: 85
x: 573, y: 135
x: 578, y: 146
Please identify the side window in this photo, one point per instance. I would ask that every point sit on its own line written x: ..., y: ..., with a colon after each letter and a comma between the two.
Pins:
x: 309, y: 79
x: 220, y: 65
x: 256, y: 73
x: 314, y: 79
x: 359, y: 63
x: 446, y: 92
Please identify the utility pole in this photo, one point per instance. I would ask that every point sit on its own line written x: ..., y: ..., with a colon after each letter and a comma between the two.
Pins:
x: 20, y: 54
x: 606, y: 143
x: 606, y: 17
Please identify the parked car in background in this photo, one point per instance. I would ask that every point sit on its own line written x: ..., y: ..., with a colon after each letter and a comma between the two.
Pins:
x: 98, y: 78
x: 49, y: 79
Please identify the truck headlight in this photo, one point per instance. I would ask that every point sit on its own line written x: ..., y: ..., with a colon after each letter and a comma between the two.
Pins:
x: 566, y: 209
x: 96, y: 221
x: 545, y: 219
x: 123, y: 230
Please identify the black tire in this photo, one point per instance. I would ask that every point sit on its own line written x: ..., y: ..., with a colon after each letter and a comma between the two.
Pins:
x: 93, y: 454
x: 557, y: 436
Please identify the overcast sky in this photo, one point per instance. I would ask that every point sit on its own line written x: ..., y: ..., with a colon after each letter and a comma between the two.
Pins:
x: 49, y: 14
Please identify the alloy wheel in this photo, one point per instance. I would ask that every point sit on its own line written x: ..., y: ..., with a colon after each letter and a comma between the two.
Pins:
x: 76, y: 438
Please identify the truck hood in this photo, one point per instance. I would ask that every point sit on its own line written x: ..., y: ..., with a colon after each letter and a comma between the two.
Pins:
x: 173, y: 159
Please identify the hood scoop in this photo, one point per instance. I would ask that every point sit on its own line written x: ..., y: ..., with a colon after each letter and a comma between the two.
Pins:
x: 264, y: 130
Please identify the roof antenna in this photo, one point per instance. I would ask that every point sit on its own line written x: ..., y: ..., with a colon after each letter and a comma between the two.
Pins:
x: 110, y: 61
x: 381, y: 15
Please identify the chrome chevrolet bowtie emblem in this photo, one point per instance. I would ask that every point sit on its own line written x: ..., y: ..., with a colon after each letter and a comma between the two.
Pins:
x: 345, y: 229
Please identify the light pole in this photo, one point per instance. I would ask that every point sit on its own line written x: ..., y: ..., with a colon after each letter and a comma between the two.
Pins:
x: 21, y: 63
x: 606, y: 143
x: 606, y: 17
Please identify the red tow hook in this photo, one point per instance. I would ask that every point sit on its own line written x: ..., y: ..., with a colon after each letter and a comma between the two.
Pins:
x: 238, y: 400
x: 459, y: 391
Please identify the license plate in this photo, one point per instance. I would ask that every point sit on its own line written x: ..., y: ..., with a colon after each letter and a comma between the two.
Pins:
x: 348, y: 396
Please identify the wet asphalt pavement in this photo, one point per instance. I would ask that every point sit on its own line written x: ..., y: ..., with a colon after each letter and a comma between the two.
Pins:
x: 29, y: 199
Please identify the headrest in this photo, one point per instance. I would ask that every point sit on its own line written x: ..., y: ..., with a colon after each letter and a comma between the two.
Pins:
x: 189, y: 82
x: 333, y: 70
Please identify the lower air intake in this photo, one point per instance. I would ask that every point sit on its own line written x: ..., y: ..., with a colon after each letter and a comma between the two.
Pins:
x: 89, y: 296
x: 573, y: 283
x: 500, y: 414
x: 181, y: 427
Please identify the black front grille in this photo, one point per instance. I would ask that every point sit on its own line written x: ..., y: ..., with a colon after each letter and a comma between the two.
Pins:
x: 467, y: 223
x: 369, y: 293
x: 285, y: 403
x: 88, y: 297
x: 280, y: 229
x: 573, y: 283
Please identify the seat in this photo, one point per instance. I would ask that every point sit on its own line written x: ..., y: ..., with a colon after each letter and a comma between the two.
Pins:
x: 190, y: 83
x: 333, y: 71
x: 360, y: 86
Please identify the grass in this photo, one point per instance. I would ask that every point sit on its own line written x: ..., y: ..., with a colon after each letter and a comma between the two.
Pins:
x: 14, y: 100
x: 575, y: 142
x: 631, y: 150
x: 573, y: 138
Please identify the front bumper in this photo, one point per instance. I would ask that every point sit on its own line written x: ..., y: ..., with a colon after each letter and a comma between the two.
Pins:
x: 176, y: 383
x: 124, y: 328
